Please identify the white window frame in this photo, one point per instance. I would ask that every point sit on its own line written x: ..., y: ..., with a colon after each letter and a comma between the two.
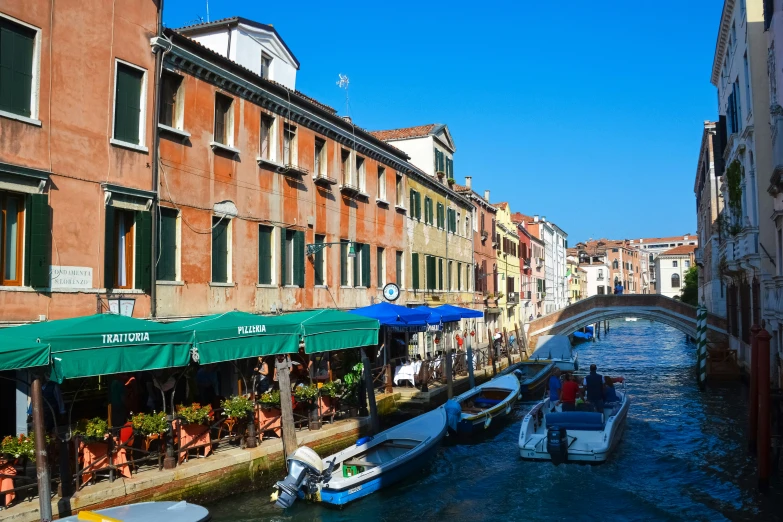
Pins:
x: 289, y: 260
x: 142, y: 113
x: 320, y: 159
x: 293, y: 147
x: 178, y: 123
x: 401, y: 282
x: 35, y: 83
x: 399, y: 190
x: 381, y: 183
x: 273, y: 132
x: 324, y: 260
x: 275, y: 240
x: 229, y: 125
x: 178, y: 257
x: 361, y: 173
x: 268, y: 68
x: 382, y: 268
x: 674, y: 263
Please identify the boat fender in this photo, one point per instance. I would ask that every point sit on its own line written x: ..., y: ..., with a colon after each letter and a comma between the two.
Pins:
x: 487, y: 421
x: 508, y: 408
x: 363, y: 440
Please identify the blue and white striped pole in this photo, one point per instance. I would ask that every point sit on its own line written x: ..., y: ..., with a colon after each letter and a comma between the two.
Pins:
x: 701, y: 349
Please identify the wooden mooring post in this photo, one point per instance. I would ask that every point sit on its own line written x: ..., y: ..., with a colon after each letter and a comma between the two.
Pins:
x: 763, y: 443
x: 753, y: 394
x: 283, y: 365
x: 367, y: 372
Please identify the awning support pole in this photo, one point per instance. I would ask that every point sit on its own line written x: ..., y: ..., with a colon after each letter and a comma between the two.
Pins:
x: 41, y: 464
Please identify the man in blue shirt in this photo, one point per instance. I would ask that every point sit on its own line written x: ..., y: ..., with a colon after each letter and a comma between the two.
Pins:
x: 554, y: 388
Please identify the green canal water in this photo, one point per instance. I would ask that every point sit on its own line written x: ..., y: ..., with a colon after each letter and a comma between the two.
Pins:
x: 682, y: 458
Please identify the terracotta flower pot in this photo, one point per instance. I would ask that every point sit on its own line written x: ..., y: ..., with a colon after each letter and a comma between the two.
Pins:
x: 269, y: 419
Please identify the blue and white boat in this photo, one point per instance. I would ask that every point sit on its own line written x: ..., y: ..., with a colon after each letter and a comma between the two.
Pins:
x: 483, y: 403
x: 533, y: 376
x: 556, y: 349
x: 170, y: 511
x: 362, y: 469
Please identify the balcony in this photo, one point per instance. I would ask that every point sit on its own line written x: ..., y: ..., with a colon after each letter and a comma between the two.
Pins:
x: 324, y: 180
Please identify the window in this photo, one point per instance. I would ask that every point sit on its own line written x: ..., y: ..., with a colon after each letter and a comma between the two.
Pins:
x: 381, y: 183
x: 449, y: 168
x: 415, y: 271
x: 427, y: 210
x: 459, y: 276
x: 614, y: 250
x: 440, y: 274
x: 674, y: 264
x: 220, y: 252
x: 128, y: 259
x: 361, y: 266
x: 223, y: 120
x: 292, y: 258
x: 452, y: 220
x: 319, y: 158
x: 319, y: 265
x: 687, y: 264
x: 18, y: 69
x: 171, y: 100
x: 675, y: 280
x: 440, y: 161
x: 12, y: 237
x: 449, y: 275
x: 441, y: 217
x: 129, y: 104
x: 415, y: 210
x: 615, y: 264
x: 398, y: 186
x: 344, y: 245
x: 289, y: 145
x: 266, y: 65
x: 168, y: 258
x: 268, y: 137
x: 380, y: 267
x: 361, y: 174
x: 265, y: 250
x: 398, y: 269
x: 431, y: 265
x: 747, y: 84
x: 345, y: 166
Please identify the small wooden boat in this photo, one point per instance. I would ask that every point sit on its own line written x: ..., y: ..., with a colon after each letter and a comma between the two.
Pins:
x: 145, y: 512
x: 557, y: 349
x: 362, y: 469
x: 533, y: 376
x: 573, y: 436
x: 492, y: 399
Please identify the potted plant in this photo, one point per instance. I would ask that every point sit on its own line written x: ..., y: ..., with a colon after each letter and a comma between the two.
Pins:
x: 352, y: 380
x: 195, y: 430
x: 329, y: 396
x: 92, y: 430
x: 268, y: 415
x: 236, y: 409
x: 151, y: 425
x: 306, y: 394
x: 451, y: 181
x: 195, y: 413
x: 20, y: 447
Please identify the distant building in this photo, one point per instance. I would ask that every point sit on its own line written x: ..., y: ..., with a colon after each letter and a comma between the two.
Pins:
x: 671, y: 267
x: 623, y: 259
x: 555, y: 244
x: 651, y: 247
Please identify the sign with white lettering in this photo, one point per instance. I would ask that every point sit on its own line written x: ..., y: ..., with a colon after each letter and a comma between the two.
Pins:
x: 70, y: 277
x: 248, y: 330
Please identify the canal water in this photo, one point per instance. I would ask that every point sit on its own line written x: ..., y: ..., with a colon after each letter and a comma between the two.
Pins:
x: 682, y: 457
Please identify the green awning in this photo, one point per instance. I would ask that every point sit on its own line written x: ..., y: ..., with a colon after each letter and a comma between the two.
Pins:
x: 18, y: 354
x: 329, y: 330
x: 239, y: 335
x: 104, y: 344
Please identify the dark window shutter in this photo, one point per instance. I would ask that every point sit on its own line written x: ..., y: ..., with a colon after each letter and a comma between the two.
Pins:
x: 220, y: 250
x: 16, y: 68
x: 166, y: 269
x: 127, y: 104
x: 398, y: 267
x: 415, y: 271
x: 109, y: 248
x: 143, y: 276
x: 418, y: 206
x: 459, y: 276
x: 366, y: 266
x: 344, y: 264
x: 283, y: 260
x: 432, y: 281
x: 357, y: 250
x: 379, y: 252
x: 265, y: 255
x: 37, y: 239
x: 318, y: 264
x: 299, y: 245
x: 413, y: 203
x: 440, y: 274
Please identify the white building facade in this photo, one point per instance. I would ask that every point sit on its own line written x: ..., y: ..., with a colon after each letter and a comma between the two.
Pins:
x: 670, y: 269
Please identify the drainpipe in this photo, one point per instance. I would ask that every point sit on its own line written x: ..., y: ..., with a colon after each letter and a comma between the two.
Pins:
x: 155, y: 166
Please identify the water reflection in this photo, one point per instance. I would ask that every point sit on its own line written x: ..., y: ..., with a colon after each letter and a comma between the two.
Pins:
x: 682, y: 458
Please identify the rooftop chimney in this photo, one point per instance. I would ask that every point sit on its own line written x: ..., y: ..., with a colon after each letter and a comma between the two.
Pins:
x: 348, y: 119
x: 543, y: 218
x: 535, y: 218
x: 486, y: 195
x: 468, y: 180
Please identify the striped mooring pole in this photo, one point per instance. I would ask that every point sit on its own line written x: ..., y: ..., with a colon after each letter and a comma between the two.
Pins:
x: 701, y: 347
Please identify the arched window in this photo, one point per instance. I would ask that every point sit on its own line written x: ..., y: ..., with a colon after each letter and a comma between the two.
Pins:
x: 615, y: 264
x: 675, y: 280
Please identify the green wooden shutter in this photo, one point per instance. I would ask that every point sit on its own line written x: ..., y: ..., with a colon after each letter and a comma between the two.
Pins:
x: 318, y: 264
x: 220, y: 251
x: 379, y: 252
x: 143, y: 276
x: 37, y: 240
x: 418, y: 206
x: 283, y: 260
x: 109, y: 248
x: 432, y: 278
x: 166, y: 269
x: 415, y: 271
x: 413, y: 203
x: 299, y: 246
x: 440, y: 274
x: 459, y: 276
x: 16, y: 69
x: 265, y: 255
x: 127, y: 104
x: 343, y: 263
x: 356, y: 261
x: 366, y: 266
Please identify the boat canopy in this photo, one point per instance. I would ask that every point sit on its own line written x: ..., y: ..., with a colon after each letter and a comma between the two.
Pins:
x: 328, y: 330
x: 239, y: 335
x: 552, y: 347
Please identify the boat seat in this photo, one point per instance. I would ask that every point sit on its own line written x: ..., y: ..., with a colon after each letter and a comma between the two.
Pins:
x: 360, y: 462
x: 576, y: 420
x: 486, y: 402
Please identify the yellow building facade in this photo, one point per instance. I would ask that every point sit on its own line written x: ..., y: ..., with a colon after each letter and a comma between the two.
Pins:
x: 509, y: 275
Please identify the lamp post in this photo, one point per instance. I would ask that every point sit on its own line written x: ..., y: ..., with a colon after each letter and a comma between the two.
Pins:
x: 313, y: 248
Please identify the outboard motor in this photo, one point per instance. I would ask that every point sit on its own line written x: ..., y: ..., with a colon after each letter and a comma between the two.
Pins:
x: 557, y: 444
x: 305, y: 472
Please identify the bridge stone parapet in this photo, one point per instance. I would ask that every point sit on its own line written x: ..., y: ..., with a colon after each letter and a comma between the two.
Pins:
x: 643, y: 306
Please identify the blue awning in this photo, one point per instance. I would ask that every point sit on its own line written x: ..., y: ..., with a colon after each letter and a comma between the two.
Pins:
x: 438, y: 315
x: 394, y: 315
x: 464, y: 313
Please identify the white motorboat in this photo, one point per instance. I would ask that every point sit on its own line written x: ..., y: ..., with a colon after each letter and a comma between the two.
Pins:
x: 573, y: 436
x: 557, y: 349
x: 145, y: 512
x: 481, y: 404
x: 362, y: 469
x: 631, y: 319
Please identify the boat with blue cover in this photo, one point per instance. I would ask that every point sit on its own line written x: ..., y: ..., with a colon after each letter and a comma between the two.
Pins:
x: 480, y: 405
x: 556, y: 349
x: 548, y: 433
x: 533, y: 376
x: 169, y: 511
x: 371, y: 464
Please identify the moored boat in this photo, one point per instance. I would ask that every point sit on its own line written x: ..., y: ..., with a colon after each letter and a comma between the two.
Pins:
x: 532, y: 377
x: 573, y: 436
x: 366, y: 467
x: 556, y: 349
x: 146, y: 512
x: 483, y: 403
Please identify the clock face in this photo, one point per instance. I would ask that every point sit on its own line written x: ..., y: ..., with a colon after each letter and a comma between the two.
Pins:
x: 391, y: 292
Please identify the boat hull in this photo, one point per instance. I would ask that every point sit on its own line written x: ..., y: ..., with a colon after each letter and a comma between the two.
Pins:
x: 475, y: 423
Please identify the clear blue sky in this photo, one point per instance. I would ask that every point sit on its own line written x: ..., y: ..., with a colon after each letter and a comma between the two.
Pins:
x: 587, y: 112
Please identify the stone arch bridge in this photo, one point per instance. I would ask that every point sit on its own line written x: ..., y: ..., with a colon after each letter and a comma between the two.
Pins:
x: 643, y: 306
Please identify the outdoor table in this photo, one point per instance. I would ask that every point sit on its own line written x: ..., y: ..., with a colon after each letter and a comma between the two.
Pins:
x: 7, y: 471
x: 95, y: 458
x: 407, y: 372
x: 195, y: 433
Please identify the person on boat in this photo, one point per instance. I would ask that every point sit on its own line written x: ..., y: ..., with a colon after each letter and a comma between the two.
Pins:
x: 554, y: 388
x: 594, y: 389
x: 568, y: 393
x: 610, y: 394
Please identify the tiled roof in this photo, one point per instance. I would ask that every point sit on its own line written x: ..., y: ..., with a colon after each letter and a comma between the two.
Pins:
x: 683, y: 250
x: 460, y: 188
x: 518, y: 217
x: 670, y: 239
x: 502, y: 204
x: 407, y: 132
